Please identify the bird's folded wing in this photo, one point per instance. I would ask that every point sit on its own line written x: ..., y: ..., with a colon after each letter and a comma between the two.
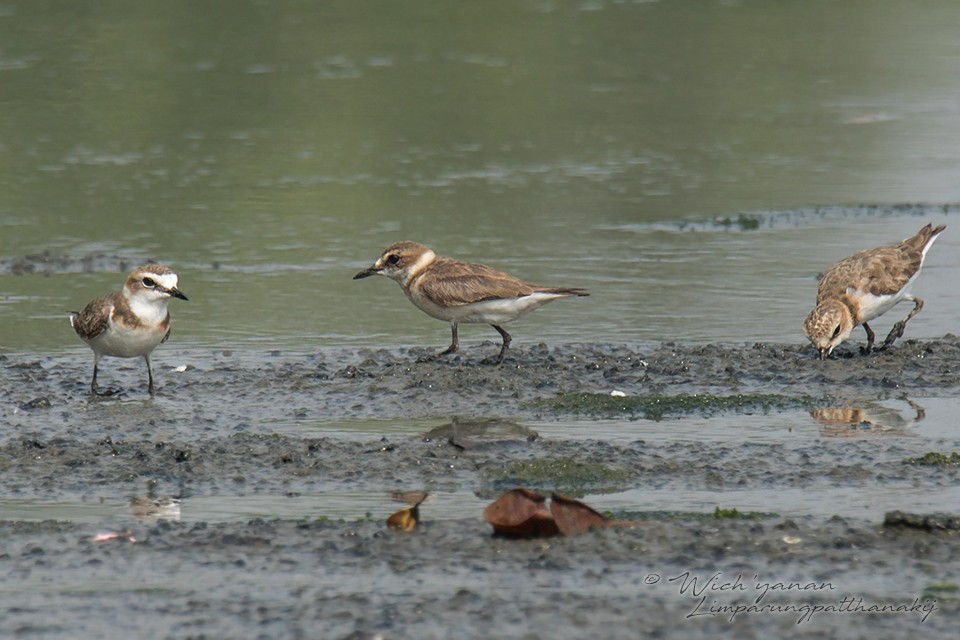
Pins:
x: 457, y: 289
x: 94, y: 318
x: 166, y: 321
x: 879, y: 272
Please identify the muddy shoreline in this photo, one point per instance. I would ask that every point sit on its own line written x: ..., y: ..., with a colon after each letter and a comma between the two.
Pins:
x: 385, y: 384
x: 225, y: 425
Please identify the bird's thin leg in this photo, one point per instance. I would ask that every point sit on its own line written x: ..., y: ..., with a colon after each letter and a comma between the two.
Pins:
x: 871, y: 336
x: 454, y: 344
x: 149, y: 375
x: 897, y: 330
x: 454, y: 341
x: 93, y: 382
x: 506, y: 342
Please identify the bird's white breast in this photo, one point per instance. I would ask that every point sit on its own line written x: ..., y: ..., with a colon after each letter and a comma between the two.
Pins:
x: 124, y: 342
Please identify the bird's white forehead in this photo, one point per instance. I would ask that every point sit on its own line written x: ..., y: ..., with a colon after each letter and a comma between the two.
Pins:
x: 167, y: 280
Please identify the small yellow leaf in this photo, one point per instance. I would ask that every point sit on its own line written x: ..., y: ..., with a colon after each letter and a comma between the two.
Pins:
x: 406, y: 519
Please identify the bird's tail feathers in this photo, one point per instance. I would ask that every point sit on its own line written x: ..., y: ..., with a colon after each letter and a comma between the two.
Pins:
x: 565, y: 291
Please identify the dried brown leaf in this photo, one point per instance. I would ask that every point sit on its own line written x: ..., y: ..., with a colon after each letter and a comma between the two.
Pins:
x: 573, y: 517
x: 520, y: 513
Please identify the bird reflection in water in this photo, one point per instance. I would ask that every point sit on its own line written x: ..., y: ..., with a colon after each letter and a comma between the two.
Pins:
x: 867, y: 418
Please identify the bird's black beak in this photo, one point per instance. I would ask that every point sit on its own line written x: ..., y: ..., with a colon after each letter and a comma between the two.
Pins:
x: 372, y: 270
x: 176, y: 293
x: 824, y: 352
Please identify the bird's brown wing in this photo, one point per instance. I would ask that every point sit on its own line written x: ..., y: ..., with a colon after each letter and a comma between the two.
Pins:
x: 94, y: 318
x: 166, y: 322
x: 880, y: 271
x: 453, y: 283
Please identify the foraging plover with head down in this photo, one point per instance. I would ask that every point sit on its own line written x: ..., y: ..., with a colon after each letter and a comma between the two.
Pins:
x: 865, y: 286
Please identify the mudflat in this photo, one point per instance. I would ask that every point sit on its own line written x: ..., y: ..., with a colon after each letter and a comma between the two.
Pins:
x: 230, y: 425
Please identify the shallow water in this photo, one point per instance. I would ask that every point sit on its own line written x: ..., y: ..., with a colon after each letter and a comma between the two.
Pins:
x: 874, y: 419
x: 860, y: 502
x: 851, y: 452
x: 268, y: 171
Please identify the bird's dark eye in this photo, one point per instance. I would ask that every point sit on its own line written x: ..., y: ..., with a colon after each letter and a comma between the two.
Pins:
x: 149, y: 283
x: 393, y: 258
x: 836, y: 332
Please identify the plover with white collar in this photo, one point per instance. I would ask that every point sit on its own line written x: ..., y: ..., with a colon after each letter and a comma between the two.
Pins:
x: 865, y: 286
x: 462, y: 292
x: 129, y: 323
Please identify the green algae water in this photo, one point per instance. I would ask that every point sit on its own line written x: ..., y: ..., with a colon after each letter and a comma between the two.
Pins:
x: 671, y: 157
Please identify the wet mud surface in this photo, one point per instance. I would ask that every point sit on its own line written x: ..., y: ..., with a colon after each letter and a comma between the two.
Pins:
x: 247, y: 387
x: 307, y: 579
x: 251, y: 424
